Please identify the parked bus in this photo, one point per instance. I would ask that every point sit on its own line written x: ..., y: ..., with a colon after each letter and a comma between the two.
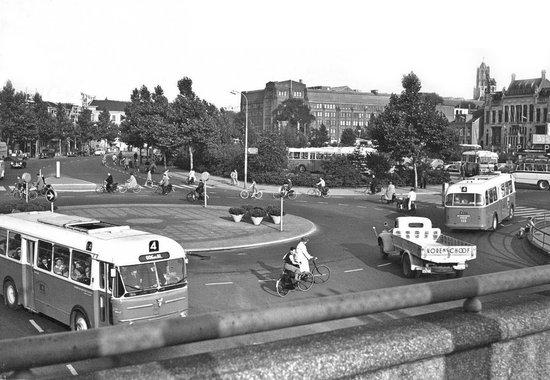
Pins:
x: 479, y: 162
x: 311, y: 159
x: 533, y: 172
x: 480, y: 202
x: 87, y: 273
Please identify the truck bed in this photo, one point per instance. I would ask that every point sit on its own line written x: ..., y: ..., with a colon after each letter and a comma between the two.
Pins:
x: 445, y: 249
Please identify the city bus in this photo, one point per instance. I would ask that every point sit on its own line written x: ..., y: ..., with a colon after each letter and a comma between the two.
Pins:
x: 311, y: 159
x: 533, y: 172
x: 480, y: 202
x: 86, y: 273
x: 479, y: 162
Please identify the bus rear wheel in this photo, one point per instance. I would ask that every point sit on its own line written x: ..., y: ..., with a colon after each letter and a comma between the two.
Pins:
x: 11, y: 297
x: 494, y: 223
x: 79, y: 321
x: 543, y: 185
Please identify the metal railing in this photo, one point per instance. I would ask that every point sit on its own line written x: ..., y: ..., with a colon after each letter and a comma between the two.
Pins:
x: 36, y: 351
x: 539, y: 235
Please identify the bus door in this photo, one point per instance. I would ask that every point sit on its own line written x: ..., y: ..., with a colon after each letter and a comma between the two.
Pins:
x: 103, y: 310
x: 28, y: 247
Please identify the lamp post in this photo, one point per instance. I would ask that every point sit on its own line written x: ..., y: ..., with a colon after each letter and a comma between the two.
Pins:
x: 245, y: 136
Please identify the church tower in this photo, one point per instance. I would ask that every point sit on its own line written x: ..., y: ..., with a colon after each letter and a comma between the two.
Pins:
x: 484, y: 82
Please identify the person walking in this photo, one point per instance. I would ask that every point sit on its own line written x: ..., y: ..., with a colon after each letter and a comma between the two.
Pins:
x: 149, y: 179
x: 234, y: 178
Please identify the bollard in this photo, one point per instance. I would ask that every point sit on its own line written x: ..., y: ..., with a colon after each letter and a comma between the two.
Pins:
x: 57, y: 169
x: 444, y: 187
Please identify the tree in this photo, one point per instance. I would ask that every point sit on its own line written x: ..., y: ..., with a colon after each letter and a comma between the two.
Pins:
x: 348, y: 137
x: 319, y: 137
x: 293, y: 137
x: 410, y: 126
x: 85, y: 128
x: 63, y: 126
x: 271, y: 155
x: 105, y: 128
x: 296, y: 113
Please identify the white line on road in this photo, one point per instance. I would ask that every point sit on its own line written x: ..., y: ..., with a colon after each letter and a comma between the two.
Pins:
x: 36, y: 325
x: 323, y: 203
x: 362, y: 206
x: 270, y: 280
x: 353, y: 270
x: 342, y: 204
x: 383, y: 265
x: 379, y: 209
x: 219, y: 283
x: 72, y: 370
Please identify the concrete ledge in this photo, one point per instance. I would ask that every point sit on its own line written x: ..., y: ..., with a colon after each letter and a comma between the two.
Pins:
x: 509, y: 339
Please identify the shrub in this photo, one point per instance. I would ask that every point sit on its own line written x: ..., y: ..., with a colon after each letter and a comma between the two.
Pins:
x: 236, y: 211
x: 257, y: 212
x: 274, y: 210
x: 7, y: 205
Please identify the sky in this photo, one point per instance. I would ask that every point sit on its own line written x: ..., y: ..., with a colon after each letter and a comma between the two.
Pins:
x: 106, y: 48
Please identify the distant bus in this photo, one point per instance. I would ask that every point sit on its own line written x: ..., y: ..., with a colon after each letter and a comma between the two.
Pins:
x: 3, y: 150
x: 479, y: 162
x: 533, y: 172
x: 481, y: 202
x: 86, y: 273
x: 466, y: 147
x: 311, y: 159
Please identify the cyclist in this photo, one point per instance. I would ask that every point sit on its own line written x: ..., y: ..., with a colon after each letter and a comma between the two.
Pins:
x: 302, y: 255
x: 104, y: 159
x: 114, y: 159
x: 321, y: 185
x: 149, y: 179
x: 287, y: 186
x: 390, y: 193
x: 291, y: 263
x: 200, y: 189
x: 40, y: 183
x: 109, y: 183
x: 254, y: 188
x: 411, y: 198
x: 191, y: 178
x: 131, y: 183
x: 165, y: 183
x: 20, y: 184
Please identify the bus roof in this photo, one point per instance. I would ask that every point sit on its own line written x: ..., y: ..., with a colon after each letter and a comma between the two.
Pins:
x: 335, y: 149
x: 478, y: 184
x: 120, y: 245
x: 480, y: 153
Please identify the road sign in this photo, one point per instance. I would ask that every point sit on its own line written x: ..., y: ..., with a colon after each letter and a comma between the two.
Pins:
x: 26, y: 177
x: 252, y: 150
x: 205, y: 176
x: 51, y: 195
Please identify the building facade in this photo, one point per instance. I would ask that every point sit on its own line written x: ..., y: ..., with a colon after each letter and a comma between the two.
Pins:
x: 512, y: 116
x: 484, y: 83
x: 115, y: 108
x: 337, y: 108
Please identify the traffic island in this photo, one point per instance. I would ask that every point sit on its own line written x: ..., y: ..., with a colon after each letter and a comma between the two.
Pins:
x: 195, y: 227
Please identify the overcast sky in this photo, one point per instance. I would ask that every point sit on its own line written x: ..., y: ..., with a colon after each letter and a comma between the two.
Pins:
x: 106, y: 48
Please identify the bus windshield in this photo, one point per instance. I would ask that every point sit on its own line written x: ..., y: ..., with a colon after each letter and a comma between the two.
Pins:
x: 464, y: 199
x: 153, y: 276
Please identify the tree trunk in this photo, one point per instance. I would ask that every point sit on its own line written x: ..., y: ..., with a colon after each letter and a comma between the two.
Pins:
x: 164, y: 159
x: 415, y: 176
x: 190, y: 157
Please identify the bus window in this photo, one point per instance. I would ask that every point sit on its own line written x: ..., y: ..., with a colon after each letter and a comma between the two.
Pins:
x: 491, y: 195
x: 3, y: 241
x: 449, y: 200
x: 296, y: 155
x: 14, y: 246
x: 171, y: 272
x: 61, y: 257
x: 464, y: 199
x: 81, y: 265
x: 304, y: 155
x: 45, y: 255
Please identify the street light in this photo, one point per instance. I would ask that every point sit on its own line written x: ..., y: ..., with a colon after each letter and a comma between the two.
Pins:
x: 245, y: 136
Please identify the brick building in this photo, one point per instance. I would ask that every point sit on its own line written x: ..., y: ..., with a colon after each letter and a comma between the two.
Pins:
x: 513, y: 115
x: 337, y: 108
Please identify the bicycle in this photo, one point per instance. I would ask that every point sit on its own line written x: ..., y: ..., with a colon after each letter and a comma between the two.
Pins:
x: 19, y: 193
x: 248, y: 193
x: 157, y: 189
x: 316, y: 192
x: 192, y: 196
x: 321, y: 272
x: 286, y: 282
x: 291, y: 194
x: 102, y: 188
x: 124, y: 188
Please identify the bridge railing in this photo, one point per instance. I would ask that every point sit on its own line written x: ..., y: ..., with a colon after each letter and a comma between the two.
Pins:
x: 540, y: 233
x: 41, y: 350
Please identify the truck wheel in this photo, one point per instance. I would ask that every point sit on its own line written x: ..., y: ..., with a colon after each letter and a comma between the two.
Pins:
x: 494, y: 224
x: 406, y: 267
x: 383, y: 253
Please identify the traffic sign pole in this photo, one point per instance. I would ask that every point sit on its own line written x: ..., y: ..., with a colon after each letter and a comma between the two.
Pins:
x: 282, y: 212
x: 204, y: 177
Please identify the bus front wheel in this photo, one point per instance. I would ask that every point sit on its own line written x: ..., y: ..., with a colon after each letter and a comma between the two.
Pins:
x: 543, y: 185
x: 11, y: 298
x: 79, y: 321
x: 511, y: 213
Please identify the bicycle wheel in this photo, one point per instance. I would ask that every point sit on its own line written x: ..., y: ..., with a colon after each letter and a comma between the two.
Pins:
x: 191, y: 197
x: 244, y: 194
x: 99, y: 189
x: 280, y: 287
x: 323, y: 273
x: 122, y: 189
x: 259, y: 195
x: 306, y: 282
x: 312, y: 192
x: 136, y: 189
x: 16, y: 194
x: 326, y: 194
x: 276, y: 195
x: 292, y: 195
x: 33, y: 195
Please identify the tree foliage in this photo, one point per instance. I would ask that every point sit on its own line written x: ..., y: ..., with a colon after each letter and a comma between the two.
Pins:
x: 319, y: 137
x: 348, y: 137
x: 294, y: 113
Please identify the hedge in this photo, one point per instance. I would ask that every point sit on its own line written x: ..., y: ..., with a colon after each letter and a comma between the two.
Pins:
x: 7, y: 205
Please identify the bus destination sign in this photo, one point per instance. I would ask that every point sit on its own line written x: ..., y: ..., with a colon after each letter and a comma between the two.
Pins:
x: 154, y: 256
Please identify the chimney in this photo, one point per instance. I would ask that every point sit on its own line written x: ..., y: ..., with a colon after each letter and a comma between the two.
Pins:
x: 543, y: 74
x: 513, y: 77
x: 299, y: 80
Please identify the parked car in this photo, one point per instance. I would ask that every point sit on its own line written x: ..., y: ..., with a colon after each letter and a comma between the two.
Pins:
x: 71, y: 154
x: 99, y: 152
x: 452, y: 168
x: 17, y: 163
x: 47, y: 153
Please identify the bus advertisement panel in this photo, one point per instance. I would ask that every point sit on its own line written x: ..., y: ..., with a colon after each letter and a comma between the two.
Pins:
x: 87, y: 273
x: 480, y: 202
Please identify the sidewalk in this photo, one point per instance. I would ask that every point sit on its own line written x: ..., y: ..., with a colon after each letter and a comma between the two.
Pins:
x: 197, y: 228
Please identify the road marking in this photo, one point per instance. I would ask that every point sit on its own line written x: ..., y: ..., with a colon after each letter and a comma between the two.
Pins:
x: 379, y: 209
x: 36, y: 325
x: 72, y: 370
x: 362, y: 206
x: 342, y: 204
x: 353, y: 270
x: 2, y: 188
x: 219, y: 283
x: 383, y: 265
x: 323, y: 203
x: 270, y: 280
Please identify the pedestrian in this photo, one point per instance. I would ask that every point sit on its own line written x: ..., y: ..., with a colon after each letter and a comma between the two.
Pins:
x: 126, y: 163
x: 135, y: 158
x: 373, y: 185
x: 423, y: 179
x: 149, y: 179
x: 234, y: 178
x: 463, y: 170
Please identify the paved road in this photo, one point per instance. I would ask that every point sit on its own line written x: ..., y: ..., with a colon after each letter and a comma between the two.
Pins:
x: 344, y: 241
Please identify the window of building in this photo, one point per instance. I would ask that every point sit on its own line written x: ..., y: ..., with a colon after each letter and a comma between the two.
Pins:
x: 487, y: 116
x: 538, y: 115
x: 518, y: 114
x: 531, y: 112
x: 524, y: 113
x: 494, y: 119
x: 500, y: 116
